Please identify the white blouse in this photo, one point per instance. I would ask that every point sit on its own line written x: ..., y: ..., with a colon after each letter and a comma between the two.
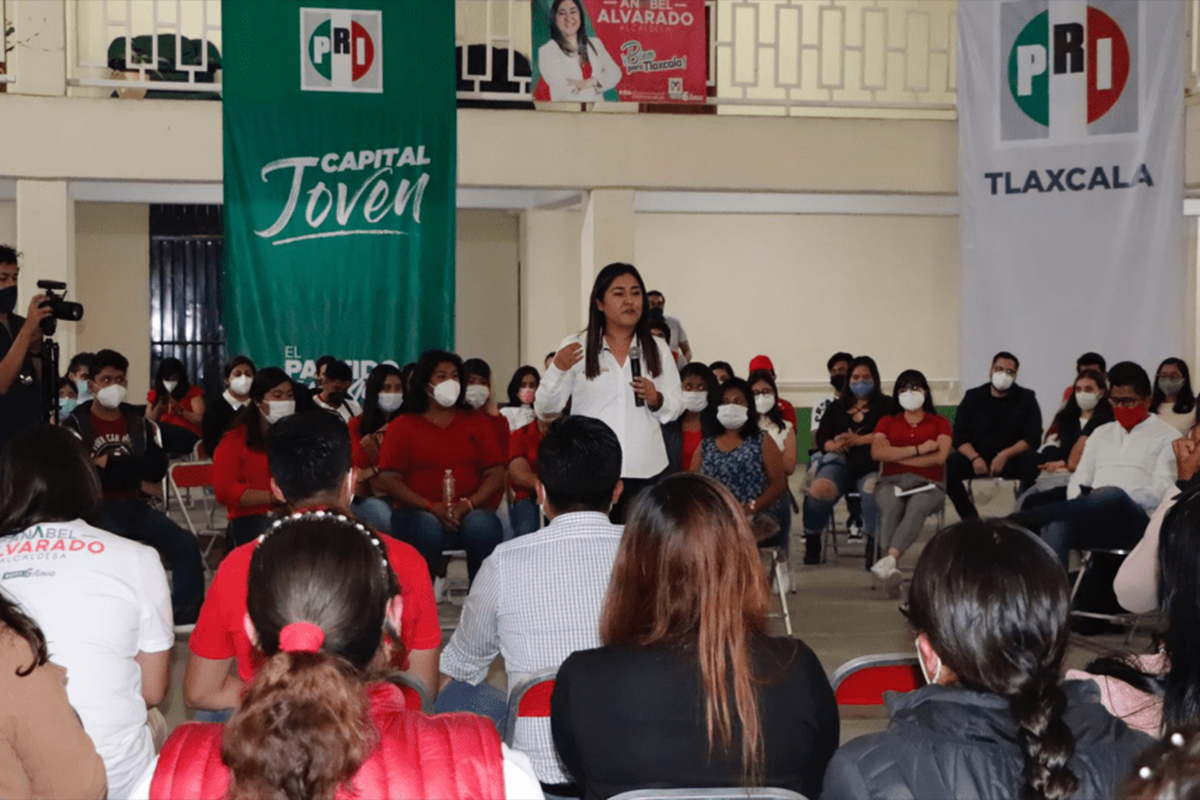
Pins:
x: 556, y: 68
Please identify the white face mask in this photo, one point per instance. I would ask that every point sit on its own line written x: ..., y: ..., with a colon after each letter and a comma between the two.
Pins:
x: 390, y: 401
x: 764, y: 402
x: 695, y: 401
x: 111, y: 396
x: 477, y: 396
x: 732, y: 416
x: 446, y: 393
x: 278, y: 409
x: 925, y: 672
x: 1087, y: 400
x: 1002, y: 381
x: 241, y: 384
x: 170, y: 385
x: 912, y: 399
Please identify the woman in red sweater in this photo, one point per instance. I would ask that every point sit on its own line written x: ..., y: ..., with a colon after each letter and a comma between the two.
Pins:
x: 438, y: 437
x: 241, y: 477
x: 384, y: 396
x: 176, y: 407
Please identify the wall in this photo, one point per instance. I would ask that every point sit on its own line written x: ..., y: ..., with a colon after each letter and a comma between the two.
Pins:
x: 550, y: 285
x: 8, y: 223
x: 487, y: 323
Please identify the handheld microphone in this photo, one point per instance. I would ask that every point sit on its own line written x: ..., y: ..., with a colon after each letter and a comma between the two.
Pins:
x: 635, y: 366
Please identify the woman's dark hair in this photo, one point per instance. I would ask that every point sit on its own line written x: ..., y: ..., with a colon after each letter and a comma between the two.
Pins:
x: 775, y: 414
x: 561, y: 41
x: 373, y: 417
x: 46, y: 476
x: 875, y: 398
x: 1179, y: 597
x: 249, y: 415
x: 406, y: 372
x: 1068, y: 416
x: 652, y: 363
x: 696, y: 369
x: 234, y: 363
x: 303, y: 729
x: 708, y: 419
x: 993, y: 601
x: 514, y: 385
x: 656, y: 320
x: 478, y: 368
x: 416, y: 394
x: 1169, y: 769
x: 20, y: 623
x: 913, y: 379
x: 66, y: 383
x: 1185, y: 401
x: 725, y: 365
x: 167, y: 368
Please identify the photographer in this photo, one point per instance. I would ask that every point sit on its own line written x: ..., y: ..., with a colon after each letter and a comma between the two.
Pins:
x: 20, y: 342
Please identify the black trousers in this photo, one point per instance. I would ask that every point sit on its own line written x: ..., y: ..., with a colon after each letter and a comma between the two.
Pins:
x: 959, y: 471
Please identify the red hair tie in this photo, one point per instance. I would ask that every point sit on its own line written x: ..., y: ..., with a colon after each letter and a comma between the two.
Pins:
x: 301, y: 637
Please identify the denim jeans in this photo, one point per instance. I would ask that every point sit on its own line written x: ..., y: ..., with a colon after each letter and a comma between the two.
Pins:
x: 478, y: 533
x: 374, y: 512
x: 484, y: 699
x: 1106, y: 518
x: 833, y: 467
x: 525, y: 516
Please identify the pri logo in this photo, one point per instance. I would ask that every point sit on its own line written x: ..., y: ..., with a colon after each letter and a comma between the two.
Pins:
x: 341, y: 50
x: 1070, y: 70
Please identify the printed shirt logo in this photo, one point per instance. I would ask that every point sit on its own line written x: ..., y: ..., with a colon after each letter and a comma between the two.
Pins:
x: 341, y: 50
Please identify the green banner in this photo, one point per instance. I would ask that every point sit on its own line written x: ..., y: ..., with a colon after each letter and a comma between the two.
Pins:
x: 340, y: 151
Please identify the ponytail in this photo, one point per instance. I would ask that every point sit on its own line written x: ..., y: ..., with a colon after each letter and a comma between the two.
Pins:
x: 301, y: 732
x: 1046, y: 740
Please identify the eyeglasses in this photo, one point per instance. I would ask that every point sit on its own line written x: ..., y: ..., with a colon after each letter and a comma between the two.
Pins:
x: 1125, y: 402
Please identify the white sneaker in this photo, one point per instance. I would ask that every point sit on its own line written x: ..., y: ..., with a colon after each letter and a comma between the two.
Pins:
x: 785, y: 578
x: 884, y: 567
x: 892, y: 583
x: 439, y: 590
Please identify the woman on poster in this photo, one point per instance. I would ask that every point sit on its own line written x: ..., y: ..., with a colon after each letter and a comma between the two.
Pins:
x: 575, y: 67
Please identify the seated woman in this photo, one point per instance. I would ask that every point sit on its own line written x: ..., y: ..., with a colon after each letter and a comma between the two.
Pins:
x: 525, y: 513
x: 241, y: 477
x: 988, y: 606
x: 522, y: 390
x: 684, y: 638
x: 1086, y: 409
x: 1173, y: 399
x: 176, y: 407
x: 844, y: 464
x: 238, y: 374
x: 480, y: 397
x: 441, y: 463
x: 682, y: 436
x: 735, y: 452
x: 912, y: 446
x: 384, y: 396
x: 320, y: 720
x: 102, y: 602
x: 68, y: 397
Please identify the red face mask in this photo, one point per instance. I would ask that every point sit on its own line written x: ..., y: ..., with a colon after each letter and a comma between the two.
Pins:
x: 1130, y: 418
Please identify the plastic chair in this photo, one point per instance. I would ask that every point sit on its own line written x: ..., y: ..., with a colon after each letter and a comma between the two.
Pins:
x: 716, y: 793
x: 529, y: 698
x: 193, y: 475
x: 783, y: 581
x: 1128, y: 619
x: 862, y: 681
x: 417, y: 696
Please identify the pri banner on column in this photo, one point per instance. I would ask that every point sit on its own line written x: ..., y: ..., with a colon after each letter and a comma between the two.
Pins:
x: 637, y: 51
x: 1071, y: 182
x: 339, y: 180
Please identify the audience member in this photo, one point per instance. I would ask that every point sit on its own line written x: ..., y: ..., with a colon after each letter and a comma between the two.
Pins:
x: 1129, y: 465
x: 1088, y: 361
x: 381, y: 405
x: 682, y: 436
x: 679, y: 339
x: 844, y: 463
x: 996, y: 432
x: 176, y: 407
x: 68, y: 396
x: 101, y: 600
x: 20, y: 346
x: 912, y: 447
x: 722, y: 371
x: 838, y: 366
x: 79, y: 369
x: 762, y: 363
x: 479, y: 396
x: 120, y: 442
x: 238, y: 374
x: 324, y: 607
x: 1086, y: 409
x: 335, y: 391
x: 440, y: 464
x: 525, y: 514
x: 319, y: 378
x: 241, y: 477
x: 522, y: 390
x: 1169, y: 770
x: 989, y: 607
x: 1173, y: 398
x: 660, y: 329
x: 684, y: 638
x: 310, y: 456
x: 44, y: 752
x: 514, y: 608
x: 594, y: 370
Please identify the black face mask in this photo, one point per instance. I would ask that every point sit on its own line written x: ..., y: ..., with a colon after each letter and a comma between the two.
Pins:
x: 838, y: 382
x: 337, y: 398
x: 8, y: 300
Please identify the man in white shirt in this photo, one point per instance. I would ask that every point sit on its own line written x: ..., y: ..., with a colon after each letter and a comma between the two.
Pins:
x: 655, y: 299
x: 1129, y: 465
x: 538, y: 598
x: 334, y: 395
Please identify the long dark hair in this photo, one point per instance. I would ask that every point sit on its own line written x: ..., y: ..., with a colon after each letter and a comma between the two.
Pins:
x: 416, y: 393
x: 595, y: 329
x: 876, y: 397
x: 908, y: 379
x: 303, y: 729
x: 249, y: 415
x: 709, y: 424
x: 775, y: 414
x: 1179, y: 596
x: 1185, y: 401
x: 993, y: 601
x: 20, y: 623
x: 560, y: 40
x: 47, y: 476
x: 373, y: 417
x: 514, y: 385
x: 1068, y: 417
x: 166, y: 368
x: 688, y: 575
x: 701, y: 371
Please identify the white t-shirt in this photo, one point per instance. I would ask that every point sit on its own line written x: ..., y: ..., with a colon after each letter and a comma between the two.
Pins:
x: 348, y: 410
x: 100, y: 600
x: 518, y: 417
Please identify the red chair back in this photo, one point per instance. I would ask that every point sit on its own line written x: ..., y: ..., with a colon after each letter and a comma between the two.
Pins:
x: 536, y: 701
x: 863, y: 681
x: 192, y: 476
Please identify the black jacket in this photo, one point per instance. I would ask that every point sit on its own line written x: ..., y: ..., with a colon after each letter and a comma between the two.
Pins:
x: 947, y: 742
x: 992, y: 424
x: 129, y: 463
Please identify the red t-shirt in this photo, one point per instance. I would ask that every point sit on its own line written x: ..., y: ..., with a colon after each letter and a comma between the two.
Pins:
x: 360, y: 458
x: 220, y: 632
x: 524, y: 444
x: 789, y: 412
x: 237, y: 468
x: 422, y: 452
x: 901, y: 433
x: 691, y: 443
x: 178, y: 420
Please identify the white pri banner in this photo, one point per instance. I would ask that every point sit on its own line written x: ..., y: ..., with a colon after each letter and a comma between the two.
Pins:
x: 1071, y: 185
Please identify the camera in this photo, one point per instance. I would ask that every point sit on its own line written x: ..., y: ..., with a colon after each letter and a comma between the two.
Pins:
x: 60, y: 308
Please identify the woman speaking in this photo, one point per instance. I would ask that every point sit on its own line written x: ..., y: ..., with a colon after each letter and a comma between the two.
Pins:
x: 617, y: 372
x: 575, y: 67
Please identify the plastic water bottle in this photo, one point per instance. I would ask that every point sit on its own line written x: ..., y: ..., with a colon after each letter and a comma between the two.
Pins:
x: 449, y: 490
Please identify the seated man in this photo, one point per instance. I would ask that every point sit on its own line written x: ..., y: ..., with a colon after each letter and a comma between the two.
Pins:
x: 996, y: 432
x: 120, y: 441
x: 1129, y: 466
x: 309, y: 455
x: 838, y: 366
x: 538, y: 598
x: 335, y: 385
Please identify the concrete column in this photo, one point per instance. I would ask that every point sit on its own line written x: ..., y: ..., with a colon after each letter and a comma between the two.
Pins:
x: 41, y: 67
x: 607, y: 236
x: 46, y: 241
